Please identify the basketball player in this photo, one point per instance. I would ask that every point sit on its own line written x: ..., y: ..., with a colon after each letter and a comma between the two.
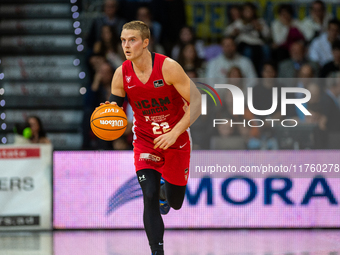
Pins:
x: 159, y: 92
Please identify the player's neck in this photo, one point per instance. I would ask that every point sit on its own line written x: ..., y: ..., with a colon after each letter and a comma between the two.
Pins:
x: 143, y: 63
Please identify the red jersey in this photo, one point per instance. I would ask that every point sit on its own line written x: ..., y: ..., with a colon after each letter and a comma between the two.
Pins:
x: 157, y: 106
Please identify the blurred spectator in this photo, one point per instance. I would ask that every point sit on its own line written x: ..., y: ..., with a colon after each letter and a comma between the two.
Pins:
x: 101, y: 84
x: 172, y: 18
x: 38, y: 131
x: 225, y: 130
x: 101, y: 89
x: 219, y: 66
x: 317, y: 22
x: 235, y: 77
x: 269, y: 70
x: 122, y: 143
x: 251, y: 34
x: 187, y: 36
x: 144, y: 14
x: 235, y: 72
x: 109, y: 47
x: 285, y: 31
x: 200, y: 128
x: 212, y: 51
x: 314, y: 124
x: 109, y: 18
x: 189, y: 59
x: 263, y: 100
x: 192, y: 73
x: 315, y: 92
x: 320, y: 49
x: 330, y: 104
x: 289, y: 68
x: 306, y: 72
x: 95, y: 61
x: 333, y: 66
x: 22, y: 133
x: 263, y: 91
x: 234, y: 13
x: 305, y: 77
x: 155, y: 47
x: 243, y: 136
x: 228, y: 136
x: 170, y: 14
x: 313, y: 106
x: 317, y: 117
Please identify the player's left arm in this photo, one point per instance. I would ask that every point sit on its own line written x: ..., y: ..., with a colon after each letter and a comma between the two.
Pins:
x: 174, y: 75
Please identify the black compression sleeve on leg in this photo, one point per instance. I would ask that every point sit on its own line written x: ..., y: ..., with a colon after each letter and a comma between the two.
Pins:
x: 174, y: 194
x: 149, y: 181
x: 119, y: 100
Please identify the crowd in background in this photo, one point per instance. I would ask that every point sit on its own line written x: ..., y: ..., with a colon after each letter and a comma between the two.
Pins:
x: 30, y: 132
x: 304, y: 49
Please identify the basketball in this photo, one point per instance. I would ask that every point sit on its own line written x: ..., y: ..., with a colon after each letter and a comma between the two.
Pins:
x: 108, y: 122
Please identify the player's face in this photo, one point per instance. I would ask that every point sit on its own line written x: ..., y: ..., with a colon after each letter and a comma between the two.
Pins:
x: 132, y: 43
x: 34, y: 125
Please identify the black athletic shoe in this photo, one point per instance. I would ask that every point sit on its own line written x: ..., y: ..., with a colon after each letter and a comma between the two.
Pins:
x: 164, y: 207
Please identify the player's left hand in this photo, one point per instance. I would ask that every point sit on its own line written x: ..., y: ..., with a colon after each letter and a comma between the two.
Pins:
x: 165, y: 141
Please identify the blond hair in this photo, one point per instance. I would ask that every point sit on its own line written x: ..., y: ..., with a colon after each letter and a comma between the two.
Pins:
x: 140, y: 26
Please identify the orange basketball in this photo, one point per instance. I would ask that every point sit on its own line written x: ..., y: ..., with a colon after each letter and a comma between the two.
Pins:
x: 108, y: 122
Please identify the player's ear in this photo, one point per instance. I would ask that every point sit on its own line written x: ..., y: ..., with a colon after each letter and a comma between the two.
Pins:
x: 145, y: 43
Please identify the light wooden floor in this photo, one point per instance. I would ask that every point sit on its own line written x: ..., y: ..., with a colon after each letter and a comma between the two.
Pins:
x: 215, y: 242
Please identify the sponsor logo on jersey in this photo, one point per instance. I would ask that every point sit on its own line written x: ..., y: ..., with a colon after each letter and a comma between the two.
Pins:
x: 113, y: 123
x: 128, y: 78
x: 157, y: 118
x: 156, y: 105
x: 149, y: 156
x: 158, y: 83
x: 186, y: 171
x: 155, y: 110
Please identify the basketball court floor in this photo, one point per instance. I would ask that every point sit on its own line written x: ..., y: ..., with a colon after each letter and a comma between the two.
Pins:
x: 177, y: 242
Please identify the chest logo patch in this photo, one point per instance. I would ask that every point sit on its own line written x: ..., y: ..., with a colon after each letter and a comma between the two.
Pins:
x: 158, y: 83
x: 128, y: 78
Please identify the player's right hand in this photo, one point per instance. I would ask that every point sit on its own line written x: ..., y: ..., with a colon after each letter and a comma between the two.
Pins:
x: 108, y: 102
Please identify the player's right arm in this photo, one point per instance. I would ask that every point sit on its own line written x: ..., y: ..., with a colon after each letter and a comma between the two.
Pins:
x: 117, y: 85
x: 117, y: 88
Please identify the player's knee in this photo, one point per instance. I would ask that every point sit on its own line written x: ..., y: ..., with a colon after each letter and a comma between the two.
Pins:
x: 150, y: 195
x: 175, y: 206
